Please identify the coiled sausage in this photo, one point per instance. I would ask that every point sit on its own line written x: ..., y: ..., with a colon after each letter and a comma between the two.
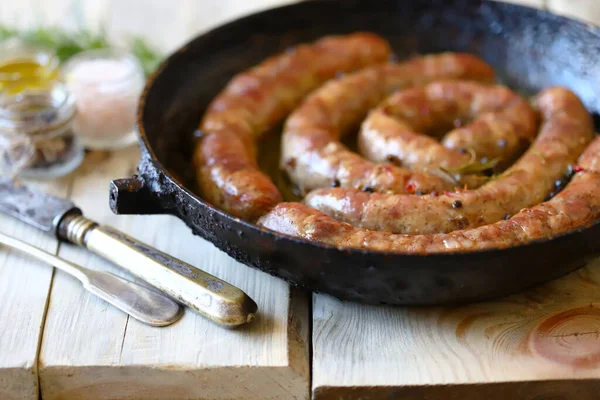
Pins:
x: 312, y: 154
x: 566, y: 130
x: 576, y: 206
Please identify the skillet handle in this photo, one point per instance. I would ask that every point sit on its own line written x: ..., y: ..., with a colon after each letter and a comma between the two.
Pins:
x: 132, y: 196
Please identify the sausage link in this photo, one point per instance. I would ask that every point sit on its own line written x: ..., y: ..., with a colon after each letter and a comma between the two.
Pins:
x: 566, y: 130
x: 257, y: 100
x: 314, y: 158
x: 498, y: 124
x: 578, y: 205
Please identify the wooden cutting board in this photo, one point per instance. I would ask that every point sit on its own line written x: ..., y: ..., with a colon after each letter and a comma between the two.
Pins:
x: 57, y: 340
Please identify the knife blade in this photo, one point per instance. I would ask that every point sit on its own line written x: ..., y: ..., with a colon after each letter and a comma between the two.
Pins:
x: 34, y: 208
x: 210, y: 296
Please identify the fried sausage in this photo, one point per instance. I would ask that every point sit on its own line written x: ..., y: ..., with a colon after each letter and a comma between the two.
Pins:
x: 314, y: 158
x: 496, y: 124
x: 578, y: 205
x: 257, y: 100
x: 567, y: 129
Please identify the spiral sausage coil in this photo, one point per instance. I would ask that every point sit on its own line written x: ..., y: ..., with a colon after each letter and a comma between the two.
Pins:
x: 450, y: 160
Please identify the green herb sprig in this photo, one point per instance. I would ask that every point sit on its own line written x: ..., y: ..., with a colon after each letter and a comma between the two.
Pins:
x: 65, y: 44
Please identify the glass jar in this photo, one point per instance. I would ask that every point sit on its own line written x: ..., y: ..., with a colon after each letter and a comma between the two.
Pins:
x: 106, y: 85
x: 20, y: 62
x: 36, y: 139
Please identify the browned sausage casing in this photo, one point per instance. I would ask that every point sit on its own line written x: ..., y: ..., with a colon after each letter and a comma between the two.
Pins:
x: 314, y: 158
x: 567, y: 129
x: 257, y: 100
x: 576, y: 206
x: 489, y: 121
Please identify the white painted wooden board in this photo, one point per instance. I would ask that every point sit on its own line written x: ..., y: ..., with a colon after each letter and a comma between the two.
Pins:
x: 24, y: 288
x: 529, y: 3
x: 584, y: 10
x: 91, y: 350
x: 541, y: 344
x: 506, y: 349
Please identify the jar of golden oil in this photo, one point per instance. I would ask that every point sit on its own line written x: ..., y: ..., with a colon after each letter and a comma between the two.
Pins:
x: 27, y: 65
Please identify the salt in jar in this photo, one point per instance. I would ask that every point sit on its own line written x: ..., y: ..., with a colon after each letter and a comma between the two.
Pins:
x: 106, y: 85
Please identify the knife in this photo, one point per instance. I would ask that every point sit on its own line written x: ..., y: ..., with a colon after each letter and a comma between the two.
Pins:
x: 141, y: 302
x: 210, y: 296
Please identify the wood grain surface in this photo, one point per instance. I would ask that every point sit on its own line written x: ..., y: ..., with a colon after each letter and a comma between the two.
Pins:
x: 550, y: 333
x: 90, y: 350
x: 24, y: 287
x: 63, y: 343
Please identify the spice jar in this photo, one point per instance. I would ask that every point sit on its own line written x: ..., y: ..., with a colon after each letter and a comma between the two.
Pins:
x: 36, y: 139
x: 106, y: 85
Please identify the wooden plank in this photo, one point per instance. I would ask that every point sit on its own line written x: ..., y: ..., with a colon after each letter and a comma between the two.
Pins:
x: 24, y: 288
x: 584, y: 10
x: 93, y: 351
x: 529, y: 3
x: 24, y: 283
x: 193, y: 17
x: 516, y: 345
x: 543, y: 343
x: 90, y: 350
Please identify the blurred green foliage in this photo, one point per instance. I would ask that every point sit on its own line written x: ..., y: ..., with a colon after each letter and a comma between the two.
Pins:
x: 66, y: 44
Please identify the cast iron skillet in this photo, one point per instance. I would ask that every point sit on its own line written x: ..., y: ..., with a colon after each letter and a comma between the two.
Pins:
x: 531, y: 49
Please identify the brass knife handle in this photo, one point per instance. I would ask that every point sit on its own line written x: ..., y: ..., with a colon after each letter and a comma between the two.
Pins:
x: 212, y: 297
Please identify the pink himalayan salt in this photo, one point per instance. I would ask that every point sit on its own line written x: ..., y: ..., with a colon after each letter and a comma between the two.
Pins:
x: 106, y: 93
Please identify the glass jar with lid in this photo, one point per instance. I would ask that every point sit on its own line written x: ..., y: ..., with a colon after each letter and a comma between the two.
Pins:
x: 36, y: 139
x: 106, y: 85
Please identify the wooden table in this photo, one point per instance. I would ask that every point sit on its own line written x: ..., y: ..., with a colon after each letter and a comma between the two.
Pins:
x: 60, y: 341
